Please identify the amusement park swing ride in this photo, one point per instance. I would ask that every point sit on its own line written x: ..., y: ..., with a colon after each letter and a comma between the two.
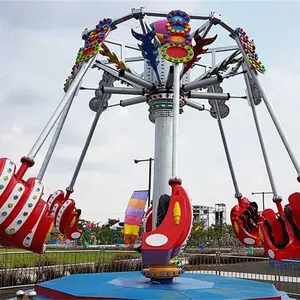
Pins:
x: 169, y: 50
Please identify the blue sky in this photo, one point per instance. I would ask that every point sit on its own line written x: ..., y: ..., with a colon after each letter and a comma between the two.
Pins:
x: 40, y: 41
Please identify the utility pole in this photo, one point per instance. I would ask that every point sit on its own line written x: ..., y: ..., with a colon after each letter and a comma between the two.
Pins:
x: 263, y: 196
x: 150, y: 160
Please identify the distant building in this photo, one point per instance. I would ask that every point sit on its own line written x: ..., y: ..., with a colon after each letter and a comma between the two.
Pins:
x: 220, y: 213
x: 209, y: 215
x: 203, y: 213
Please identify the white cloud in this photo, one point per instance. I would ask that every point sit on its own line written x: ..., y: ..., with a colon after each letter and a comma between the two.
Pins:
x: 17, y: 129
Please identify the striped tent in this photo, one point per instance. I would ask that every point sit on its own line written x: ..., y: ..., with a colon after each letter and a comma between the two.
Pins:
x: 133, y: 216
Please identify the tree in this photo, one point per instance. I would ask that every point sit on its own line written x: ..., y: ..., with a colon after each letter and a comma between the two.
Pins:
x: 99, y: 235
x: 219, y: 231
x: 198, y: 234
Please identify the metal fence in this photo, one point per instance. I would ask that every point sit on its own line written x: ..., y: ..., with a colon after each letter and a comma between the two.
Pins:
x: 24, y: 268
x: 284, y: 275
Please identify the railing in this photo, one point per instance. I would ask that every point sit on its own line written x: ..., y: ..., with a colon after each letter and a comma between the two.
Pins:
x: 23, y: 268
x: 285, y: 276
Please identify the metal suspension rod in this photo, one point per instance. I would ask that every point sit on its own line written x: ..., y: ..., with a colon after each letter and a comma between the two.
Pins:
x: 238, y: 194
x: 260, y: 137
x: 176, y: 108
x: 142, y: 25
x: 47, y: 129
x: 201, y: 28
x: 70, y: 188
x: 207, y: 29
x: 279, y: 128
x: 271, y: 112
x: 55, y: 138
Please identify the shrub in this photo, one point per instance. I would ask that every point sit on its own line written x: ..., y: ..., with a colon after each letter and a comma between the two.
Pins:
x: 13, y: 278
x: 45, y: 274
x: 119, y: 266
x: 79, y: 269
x: 45, y: 261
x: 125, y: 256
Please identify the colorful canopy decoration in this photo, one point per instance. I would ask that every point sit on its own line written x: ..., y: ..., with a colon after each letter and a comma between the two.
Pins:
x: 177, y: 44
x: 133, y: 216
x: 249, y: 48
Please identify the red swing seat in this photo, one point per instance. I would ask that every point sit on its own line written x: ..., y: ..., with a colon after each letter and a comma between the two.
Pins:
x: 24, y: 216
x: 162, y: 244
x: 65, y: 215
x: 148, y: 219
x: 277, y: 236
x: 292, y: 213
x: 244, y: 217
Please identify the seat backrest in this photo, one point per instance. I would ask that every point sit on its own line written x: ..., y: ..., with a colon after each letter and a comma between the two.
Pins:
x: 276, y: 228
x: 163, y: 205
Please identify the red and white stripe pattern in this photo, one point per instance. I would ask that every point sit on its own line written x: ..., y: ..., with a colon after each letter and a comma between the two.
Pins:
x: 64, y: 214
x: 24, y: 215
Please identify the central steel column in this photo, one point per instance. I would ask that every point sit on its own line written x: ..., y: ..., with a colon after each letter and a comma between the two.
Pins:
x: 162, y: 157
x: 162, y: 117
x: 161, y: 114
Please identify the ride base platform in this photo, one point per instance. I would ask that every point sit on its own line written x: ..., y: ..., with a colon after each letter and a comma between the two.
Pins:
x: 132, y: 285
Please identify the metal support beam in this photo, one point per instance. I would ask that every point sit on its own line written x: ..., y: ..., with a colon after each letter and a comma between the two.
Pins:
x: 101, y: 108
x: 214, y: 69
x: 137, y: 80
x: 260, y: 137
x: 121, y: 44
x: 55, y: 139
x: 176, y: 109
x: 222, y: 49
x: 122, y: 91
x: 112, y: 72
x: 126, y: 60
x: 279, y: 128
x: 215, y: 79
x: 238, y: 194
x: 233, y: 74
x: 227, y: 27
x: 194, y: 104
x: 254, y: 76
x: 207, y: 29
x: 142, y: 23
x: 214, y: 96
x: 205, y: 66
x: 60, y: 108
x: 121, y: 20
x: 163, y: 15
x: 170, y: 79
x: 201, y: 28
x: 99, y: 65
x: 132, y: 101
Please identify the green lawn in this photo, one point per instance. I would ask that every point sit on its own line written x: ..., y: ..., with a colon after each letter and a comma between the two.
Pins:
x: 16, y: 258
